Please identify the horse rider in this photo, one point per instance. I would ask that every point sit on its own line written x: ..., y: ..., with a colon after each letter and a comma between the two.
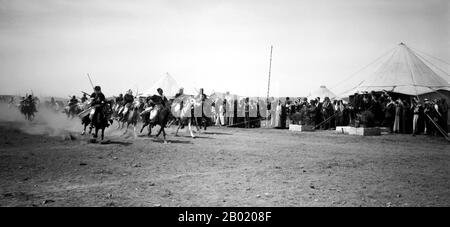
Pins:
x: 84, y: 98
x: 179, y: 97
x: 98, y: 101
x: 160, y: 99
x: 29, y: 101
x: 11, y: 102
x: 180, y: 93
x: 52, y: 101
x: 72, y: 103
x: 156, y: 103
x: 30, y: 98
x: 119, y: 99
x: 22, y: 101
x: 128, y: 100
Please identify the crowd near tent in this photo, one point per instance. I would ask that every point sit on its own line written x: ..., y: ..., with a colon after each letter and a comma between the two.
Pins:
x: 405, y: 73
x: 322, y: 92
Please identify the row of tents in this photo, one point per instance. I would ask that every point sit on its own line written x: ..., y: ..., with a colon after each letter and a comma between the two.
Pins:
x: 171, y: 87
x: 404, y: 72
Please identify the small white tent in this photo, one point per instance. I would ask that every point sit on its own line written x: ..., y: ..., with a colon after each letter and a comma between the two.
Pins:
x: 167, y: 83
x: 322, y: 92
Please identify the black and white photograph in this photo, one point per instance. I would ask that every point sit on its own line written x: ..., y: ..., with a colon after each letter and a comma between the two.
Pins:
x: 224, y: 104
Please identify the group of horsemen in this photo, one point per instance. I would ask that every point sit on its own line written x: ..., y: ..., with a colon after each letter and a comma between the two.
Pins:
x: 117, y: 108
x: 120, y: 107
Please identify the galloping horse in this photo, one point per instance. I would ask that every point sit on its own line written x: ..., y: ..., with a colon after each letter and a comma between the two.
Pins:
x: 74, y: 110
x: 184, y: 112
x: 28, y: 108
x: 84, y: 116
x: 162, y: 117
x: 132, y: 116
x: 101, y: 119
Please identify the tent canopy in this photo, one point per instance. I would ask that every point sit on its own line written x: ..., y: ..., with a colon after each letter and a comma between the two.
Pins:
x: 403, y: 72
x: 167, y: 83
x: 322, y: 92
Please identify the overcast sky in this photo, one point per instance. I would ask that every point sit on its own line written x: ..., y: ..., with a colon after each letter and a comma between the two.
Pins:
x: 48, y: 46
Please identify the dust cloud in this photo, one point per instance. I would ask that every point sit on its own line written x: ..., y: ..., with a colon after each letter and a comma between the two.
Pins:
x: 46, y: 122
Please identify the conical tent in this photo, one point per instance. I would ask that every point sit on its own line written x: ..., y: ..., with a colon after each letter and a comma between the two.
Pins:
x: 167, y: 83
x: 403, y: 72
x: 322, y: 92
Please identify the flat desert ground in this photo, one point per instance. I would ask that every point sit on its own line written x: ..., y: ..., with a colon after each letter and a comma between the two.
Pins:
x: 222, y: 167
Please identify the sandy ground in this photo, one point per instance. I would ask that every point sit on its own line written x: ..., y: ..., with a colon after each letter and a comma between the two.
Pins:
x: 223, y: 167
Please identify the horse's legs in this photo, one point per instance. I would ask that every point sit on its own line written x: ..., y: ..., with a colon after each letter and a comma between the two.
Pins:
x: 164, y: 134
x: 159, y: 132
x: 118, y: 123
x: 205, y: 124
x: 126, y: 129
x: 179, y: 126
x: 103, y: 133
x: 84, y: 130
x: 190, y: 129
x: 96, y: 133
x: 143, y: 126
x: 196, y: 125
x: 149, y: 129
x: 134, y: 131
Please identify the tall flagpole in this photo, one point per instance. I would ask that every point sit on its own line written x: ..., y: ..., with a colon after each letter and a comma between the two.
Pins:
x: 270, y: 69
x: 268, y: 86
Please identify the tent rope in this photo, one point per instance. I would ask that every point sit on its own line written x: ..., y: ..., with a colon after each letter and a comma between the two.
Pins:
x: 326, y: 120
x: 350, y: 89
x: 439, y: 93
x: 445, y: 73
x: 439, y: 128
x: 355, y: 73
x: 429, y: 55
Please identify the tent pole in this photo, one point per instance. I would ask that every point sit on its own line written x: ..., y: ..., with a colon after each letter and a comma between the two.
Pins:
x: 268, y: 85
x: 270, y: 69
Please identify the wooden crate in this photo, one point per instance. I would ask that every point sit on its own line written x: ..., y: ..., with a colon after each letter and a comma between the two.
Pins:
x: 342, y: 129
x: 301, y: 128
x: 361, y: 131
x: 385, y: 130
x: 374, y: 131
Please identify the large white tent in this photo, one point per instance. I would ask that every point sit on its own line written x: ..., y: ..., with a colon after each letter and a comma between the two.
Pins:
x: 403, y: 72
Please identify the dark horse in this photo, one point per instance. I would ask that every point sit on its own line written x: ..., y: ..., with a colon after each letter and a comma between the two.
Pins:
x: 28, y: 108
x: 101, y: 120
x: 161, y: 119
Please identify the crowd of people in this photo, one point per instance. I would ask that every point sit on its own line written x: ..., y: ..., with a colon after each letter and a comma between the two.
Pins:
x: 405, y: 114
x: 398, y: 114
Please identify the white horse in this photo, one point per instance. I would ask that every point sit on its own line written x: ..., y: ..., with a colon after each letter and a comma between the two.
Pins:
x: 183, y: 112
